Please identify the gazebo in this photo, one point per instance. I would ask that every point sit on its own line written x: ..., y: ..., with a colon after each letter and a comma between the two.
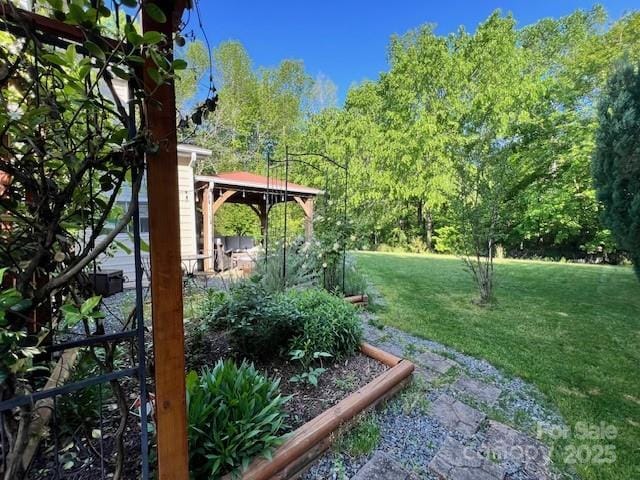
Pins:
x: 260, y: 193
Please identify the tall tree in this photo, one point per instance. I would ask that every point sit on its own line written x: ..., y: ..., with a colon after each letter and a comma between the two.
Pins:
x: 616, y: 163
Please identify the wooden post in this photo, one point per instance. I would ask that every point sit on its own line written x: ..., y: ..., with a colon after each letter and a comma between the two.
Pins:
x: 207, y: 224
x: 307, y: 206
x: 166, y: 275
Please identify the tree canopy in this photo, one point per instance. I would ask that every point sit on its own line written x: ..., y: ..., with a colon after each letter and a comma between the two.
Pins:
x: 514, y: 107
x: 616, y: 163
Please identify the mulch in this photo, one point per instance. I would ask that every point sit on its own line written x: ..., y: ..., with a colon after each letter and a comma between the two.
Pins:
x: 341, y: 378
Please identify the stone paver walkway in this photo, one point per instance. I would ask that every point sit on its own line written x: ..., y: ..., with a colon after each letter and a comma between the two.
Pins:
x: 453, y: 437
x: 382, y: 467
x: 456, y: 415
x: 454, y: 461
x: 481, y: 391
x: 435, y: 362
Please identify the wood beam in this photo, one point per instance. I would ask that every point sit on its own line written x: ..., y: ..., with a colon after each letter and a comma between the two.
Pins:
x: 207, y: 226
x: 166, y: 274
x: 221, y: 199
x: 308, y: 207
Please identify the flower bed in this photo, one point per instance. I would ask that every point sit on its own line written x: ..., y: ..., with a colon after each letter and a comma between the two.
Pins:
x: 306, y: 346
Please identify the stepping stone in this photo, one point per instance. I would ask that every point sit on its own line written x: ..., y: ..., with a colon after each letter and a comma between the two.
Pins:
x: 427, y: 374
x: 454, y: 461
x: 382, y: 467
x: 516, y: 447
x: 435, y: 362
x: 479, y: 390
x: 456, y: 415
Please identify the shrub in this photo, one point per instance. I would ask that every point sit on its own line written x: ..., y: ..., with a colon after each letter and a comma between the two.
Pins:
x: 301, y: 267
x: 616, y: 161
x: 211, y: 306
x: 260, y: 323
x: 329, y: 324
x: 354, y: 281
x: 235, y: 414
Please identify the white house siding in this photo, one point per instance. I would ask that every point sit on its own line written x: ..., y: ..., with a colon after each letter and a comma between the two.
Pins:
x: 119, y: 259
x: 187, y: 206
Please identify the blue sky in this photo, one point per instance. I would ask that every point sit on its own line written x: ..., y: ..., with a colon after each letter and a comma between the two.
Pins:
x: 347, y: 40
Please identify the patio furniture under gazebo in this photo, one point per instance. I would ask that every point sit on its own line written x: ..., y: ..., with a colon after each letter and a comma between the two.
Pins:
x: 258, y: 192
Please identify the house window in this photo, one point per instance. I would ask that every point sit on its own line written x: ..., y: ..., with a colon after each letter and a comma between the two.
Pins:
x: 143, y: 208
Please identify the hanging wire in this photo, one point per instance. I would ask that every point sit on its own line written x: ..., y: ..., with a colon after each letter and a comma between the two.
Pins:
x: 209, y: 51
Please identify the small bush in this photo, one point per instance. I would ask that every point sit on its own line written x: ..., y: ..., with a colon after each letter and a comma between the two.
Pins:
x: 212, y: 305
x: 301, y: 267
x: 235, y: 415
x: 260, y: 323
x: 263, y: 324
x: 329, y: 324
x: 354, y: 281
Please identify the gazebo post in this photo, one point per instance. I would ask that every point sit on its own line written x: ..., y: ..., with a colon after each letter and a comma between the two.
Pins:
x: 166, y: 275
x: 308, y: 207
x: 207, y: 226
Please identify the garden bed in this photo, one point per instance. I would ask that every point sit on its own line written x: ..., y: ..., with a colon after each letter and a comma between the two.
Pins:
x: 348, y: 387
x: 340, y: 379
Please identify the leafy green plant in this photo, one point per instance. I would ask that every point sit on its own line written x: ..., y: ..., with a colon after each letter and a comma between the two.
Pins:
x: 329, y: 324
x: 311, y: 375
x: 355, y: 282
x: 301, y: 267
x: 261, y: 324
x: 81, y: 409
x: 210, y: 307
x: 235, y: 415
x: 362, y: 438
x: 313, y: 323
x: 73, y: 314
x: 15, y: 355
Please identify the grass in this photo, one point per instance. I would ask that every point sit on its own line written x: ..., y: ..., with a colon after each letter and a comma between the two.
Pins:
x: 362, y: 438
x: 571, y: 330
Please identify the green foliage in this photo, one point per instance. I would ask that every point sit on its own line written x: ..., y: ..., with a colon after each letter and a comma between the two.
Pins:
x: 235, y: 415
x: 329, y: 324
x: 355, y: 282
x: 15, y: 355
x: 302, y: 266
x: 210, y: 307
x: 260, y: 323
x: 73, y: 314
x: 81, y: 409
x: 362, y: 438
x: 312, y: 323
x: 616, y: 163
x: 448, y: 240
x: 236, y: 219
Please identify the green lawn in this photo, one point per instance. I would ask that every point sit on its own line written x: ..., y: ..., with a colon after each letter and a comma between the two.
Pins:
x: 572, y: 330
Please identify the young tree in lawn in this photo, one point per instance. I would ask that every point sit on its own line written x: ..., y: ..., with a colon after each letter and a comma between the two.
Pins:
x: 616, y: 163
x: 493, y: 93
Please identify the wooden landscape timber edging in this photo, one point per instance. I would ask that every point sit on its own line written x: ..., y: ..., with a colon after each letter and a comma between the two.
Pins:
x: 309, y: 441
x: 358, y: 300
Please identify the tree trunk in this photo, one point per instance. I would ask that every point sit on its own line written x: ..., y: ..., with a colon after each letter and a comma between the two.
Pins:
x: 429, y: 230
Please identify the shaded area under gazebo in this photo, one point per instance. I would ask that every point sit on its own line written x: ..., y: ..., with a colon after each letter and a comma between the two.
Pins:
x: 258, y: 192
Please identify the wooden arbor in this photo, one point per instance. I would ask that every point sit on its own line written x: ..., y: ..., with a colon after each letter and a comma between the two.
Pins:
x: 258, y: 192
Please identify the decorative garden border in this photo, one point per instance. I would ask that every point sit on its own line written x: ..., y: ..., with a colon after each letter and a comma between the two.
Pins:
x: 309, y: 441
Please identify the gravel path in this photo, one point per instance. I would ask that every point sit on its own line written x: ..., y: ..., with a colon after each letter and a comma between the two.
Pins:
x: 415, y: 425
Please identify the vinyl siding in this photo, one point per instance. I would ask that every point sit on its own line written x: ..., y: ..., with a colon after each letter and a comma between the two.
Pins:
x: 118, y: 259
